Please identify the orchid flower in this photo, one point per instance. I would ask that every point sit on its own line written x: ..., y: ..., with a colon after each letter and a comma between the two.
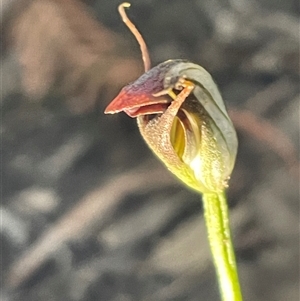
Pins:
x: 183, y: 119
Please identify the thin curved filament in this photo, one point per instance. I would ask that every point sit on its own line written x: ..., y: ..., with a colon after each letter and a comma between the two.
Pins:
x: 136, y: 33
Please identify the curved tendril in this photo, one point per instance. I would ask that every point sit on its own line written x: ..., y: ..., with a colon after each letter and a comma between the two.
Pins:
x: 136, y: 33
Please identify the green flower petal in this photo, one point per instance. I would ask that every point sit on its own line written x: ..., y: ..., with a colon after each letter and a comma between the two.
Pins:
x: 209, y: 140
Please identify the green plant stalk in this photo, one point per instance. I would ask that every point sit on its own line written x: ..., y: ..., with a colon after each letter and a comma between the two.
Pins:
x: 217, y: 223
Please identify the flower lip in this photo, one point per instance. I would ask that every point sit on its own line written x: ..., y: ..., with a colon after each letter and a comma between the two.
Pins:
x: 147, y: 110
x: 143, y: 96
x: 136, y: 104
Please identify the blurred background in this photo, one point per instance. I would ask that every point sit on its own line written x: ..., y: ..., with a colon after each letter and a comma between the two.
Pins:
x: 88, y: 213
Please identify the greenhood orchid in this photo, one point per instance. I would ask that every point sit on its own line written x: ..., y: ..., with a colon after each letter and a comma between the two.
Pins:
x: 182, y: 118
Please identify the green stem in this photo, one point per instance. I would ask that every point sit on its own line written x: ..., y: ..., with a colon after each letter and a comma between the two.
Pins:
x: 217, y: 223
